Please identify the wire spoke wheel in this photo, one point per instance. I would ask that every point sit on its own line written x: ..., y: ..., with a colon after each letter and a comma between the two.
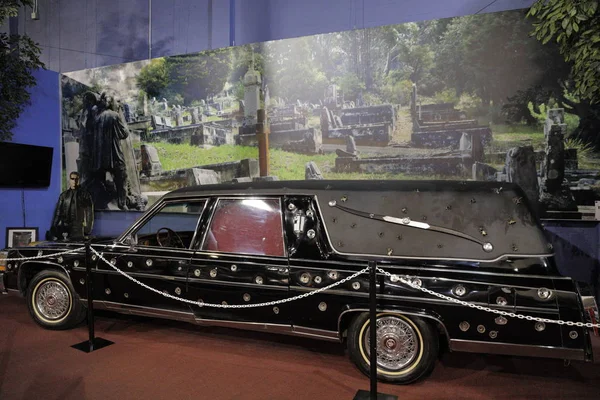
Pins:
x: 396, y: 343
x: 52, y: 300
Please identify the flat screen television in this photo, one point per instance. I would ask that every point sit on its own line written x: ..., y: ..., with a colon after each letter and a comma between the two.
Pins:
x: 25, y: 166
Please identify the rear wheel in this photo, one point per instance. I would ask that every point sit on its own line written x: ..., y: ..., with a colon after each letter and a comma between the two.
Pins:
x: 52, y: 301
x: 407, y: 348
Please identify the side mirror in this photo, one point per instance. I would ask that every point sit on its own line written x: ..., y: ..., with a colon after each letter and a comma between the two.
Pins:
x: 131, y: 240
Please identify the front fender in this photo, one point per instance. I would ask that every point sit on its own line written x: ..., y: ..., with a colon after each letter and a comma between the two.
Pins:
x: 346, y: 316
x: 29, y: 268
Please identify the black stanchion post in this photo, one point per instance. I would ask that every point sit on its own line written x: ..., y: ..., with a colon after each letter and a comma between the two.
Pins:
x: 93, y: 343
x: 372, y: 394
x: 90, y: 293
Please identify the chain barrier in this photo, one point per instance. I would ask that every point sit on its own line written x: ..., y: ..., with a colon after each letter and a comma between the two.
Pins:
x: 50, y: 255
x: 393, y: 278
x: 203, y: 304
x: 397, y: 278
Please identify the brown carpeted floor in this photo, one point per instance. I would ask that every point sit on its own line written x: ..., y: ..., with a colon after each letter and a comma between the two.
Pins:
x: 158, y: 359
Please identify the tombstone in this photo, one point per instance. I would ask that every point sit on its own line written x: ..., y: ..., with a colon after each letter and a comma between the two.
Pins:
x: 252, y: 81
x: 325, y: 121
x: 555, y: 194
x: 312, y: 171
x: 483, y: 172
x: 521, y: 169
x: 351, y: 145
x: 249, y: 167
x: 195, y: 115
x: 338, y: 121
x: 151, y: 165
x: 470, y: 146
x: 199, y: 176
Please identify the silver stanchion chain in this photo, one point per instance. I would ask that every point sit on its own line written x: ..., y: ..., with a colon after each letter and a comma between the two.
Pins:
x: 398, y: 278
x: 393, y: 278
x: 49, y: 255
x: 252, y: 305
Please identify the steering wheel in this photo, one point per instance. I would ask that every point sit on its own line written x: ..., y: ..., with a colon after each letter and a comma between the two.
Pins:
x: 171, y: 238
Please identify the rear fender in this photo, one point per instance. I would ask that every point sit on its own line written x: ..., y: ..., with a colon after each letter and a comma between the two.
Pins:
x: 352, y: 310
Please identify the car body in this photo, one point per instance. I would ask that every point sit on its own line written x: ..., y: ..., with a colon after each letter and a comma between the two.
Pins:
x: 262, y: 242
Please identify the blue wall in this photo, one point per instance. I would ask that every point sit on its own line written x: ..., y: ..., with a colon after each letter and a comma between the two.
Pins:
x: 80, y: 34
x: 39, y: 125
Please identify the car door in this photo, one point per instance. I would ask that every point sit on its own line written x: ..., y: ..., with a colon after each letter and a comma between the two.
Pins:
x: 241, y: 259
x: 158, y: 255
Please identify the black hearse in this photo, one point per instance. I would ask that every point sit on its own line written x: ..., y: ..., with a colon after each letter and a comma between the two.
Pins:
x: 474, y: 244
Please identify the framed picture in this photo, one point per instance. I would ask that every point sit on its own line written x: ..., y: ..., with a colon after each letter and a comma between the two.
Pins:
x: 16, y: 237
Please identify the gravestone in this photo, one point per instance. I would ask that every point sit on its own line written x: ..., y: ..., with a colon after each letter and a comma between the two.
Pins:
x: 151, y: 165
x: 555, y: 194
x: 199, y: 176
x: 351, y: 145
x: 521, y: 169
x: 312, y: 171
x: 471, y: 148
x: 252, y: 82
x: 249, y: 167
x: 195, y: 115
x: 483, y: 172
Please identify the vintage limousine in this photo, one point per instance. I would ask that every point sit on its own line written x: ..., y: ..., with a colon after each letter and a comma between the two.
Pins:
x: 229, y: 244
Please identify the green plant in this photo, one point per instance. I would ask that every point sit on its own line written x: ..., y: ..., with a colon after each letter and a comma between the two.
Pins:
x: 19, y: 57
x: 574, y: 24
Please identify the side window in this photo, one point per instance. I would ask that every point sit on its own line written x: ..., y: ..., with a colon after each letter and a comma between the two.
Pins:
x: 173, y: 226
x: 246, y: 226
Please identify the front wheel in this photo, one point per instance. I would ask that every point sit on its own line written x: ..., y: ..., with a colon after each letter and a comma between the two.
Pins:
x: 52, y: 301
x: 407, y: 348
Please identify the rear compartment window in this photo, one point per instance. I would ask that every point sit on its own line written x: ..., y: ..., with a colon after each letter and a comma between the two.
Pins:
x: 246, y: 226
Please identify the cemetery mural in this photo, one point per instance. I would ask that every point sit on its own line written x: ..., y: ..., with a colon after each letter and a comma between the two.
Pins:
x: 466, y: 98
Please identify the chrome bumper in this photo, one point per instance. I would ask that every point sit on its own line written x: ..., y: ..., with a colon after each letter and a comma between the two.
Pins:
x: 591, y: 314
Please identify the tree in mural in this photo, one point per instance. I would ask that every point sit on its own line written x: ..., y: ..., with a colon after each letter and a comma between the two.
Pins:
x: 154, y: 77
x: 292, y: 71
x: 19, y: 57
x: 575, y: 27
x: 197, y: 76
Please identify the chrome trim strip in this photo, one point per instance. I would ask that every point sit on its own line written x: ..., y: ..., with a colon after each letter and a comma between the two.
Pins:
x: 113, y: 249
x: 400, y: 311
x: 283, y: 288
x: 552, y: 311
x: 378, y: 256
x: 137, y: 274
x: 511, y: 349
x: 271, y: 328
x: 213, y: 256
x: 191, y: 318
x: 319, y: 333
x: 426, y: 268
x: 144, y: 311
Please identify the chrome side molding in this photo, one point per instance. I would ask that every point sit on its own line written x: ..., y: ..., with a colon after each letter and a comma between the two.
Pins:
x: 191, y: 318
x: 510, y: 349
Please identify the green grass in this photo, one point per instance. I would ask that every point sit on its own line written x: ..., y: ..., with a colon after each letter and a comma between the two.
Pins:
x: 508, y: 136
x: 283, y: 164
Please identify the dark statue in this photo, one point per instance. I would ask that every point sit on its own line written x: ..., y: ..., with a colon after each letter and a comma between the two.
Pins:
x: 74, y: 214
x: 107, y: 161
